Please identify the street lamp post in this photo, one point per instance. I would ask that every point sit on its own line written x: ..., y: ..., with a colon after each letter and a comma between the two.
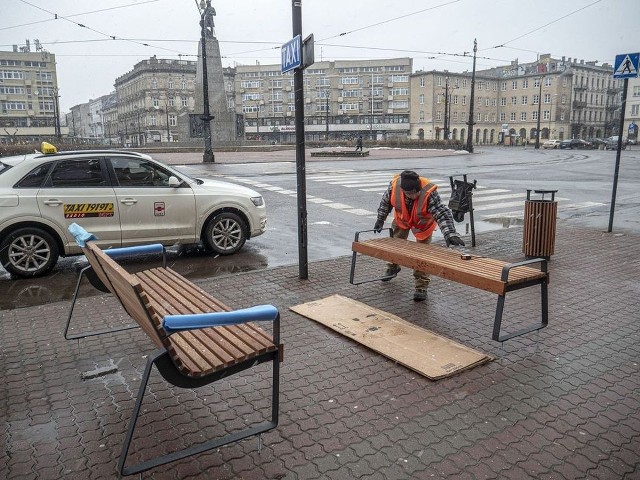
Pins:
x: 539, y: 111
x: 471, y: 103
x: 206, y: 20
x: 446, y: 108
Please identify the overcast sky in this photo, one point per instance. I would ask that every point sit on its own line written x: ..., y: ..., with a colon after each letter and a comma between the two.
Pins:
x: 435, y: 33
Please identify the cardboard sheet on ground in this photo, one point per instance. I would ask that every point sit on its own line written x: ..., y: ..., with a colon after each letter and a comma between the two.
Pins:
x: 420, y: 350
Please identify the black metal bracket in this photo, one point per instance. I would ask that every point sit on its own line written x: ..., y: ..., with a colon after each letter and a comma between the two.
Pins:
x: 354, y: 257
x: 171, y: 374
x: 95, y: 281
x: 544, y: 300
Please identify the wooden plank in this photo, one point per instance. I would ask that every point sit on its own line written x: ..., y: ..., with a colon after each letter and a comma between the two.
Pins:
x: 479, y: 272
x: 420, y: 350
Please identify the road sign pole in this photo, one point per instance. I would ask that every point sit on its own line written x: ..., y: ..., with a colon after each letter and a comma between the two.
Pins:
x: 303, y: 264
x: 617, y: 168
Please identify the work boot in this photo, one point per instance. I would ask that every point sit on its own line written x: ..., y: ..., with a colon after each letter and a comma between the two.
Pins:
x: 391, y: 272
x: 420, y: 295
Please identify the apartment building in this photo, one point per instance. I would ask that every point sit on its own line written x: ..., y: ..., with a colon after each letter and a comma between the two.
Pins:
x: 342, y: 100
x: 564, y: 98
x: 28, y: 95
x: 632, y: 117
x: 154, y: 101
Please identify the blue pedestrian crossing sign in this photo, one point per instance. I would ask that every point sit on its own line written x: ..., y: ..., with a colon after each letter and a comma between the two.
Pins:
x: 626, y: 65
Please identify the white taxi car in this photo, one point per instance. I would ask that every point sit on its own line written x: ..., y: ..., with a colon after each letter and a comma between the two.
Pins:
x: 124, y: 198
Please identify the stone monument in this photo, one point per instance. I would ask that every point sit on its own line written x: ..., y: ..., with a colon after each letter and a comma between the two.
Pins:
x: 223, y: 125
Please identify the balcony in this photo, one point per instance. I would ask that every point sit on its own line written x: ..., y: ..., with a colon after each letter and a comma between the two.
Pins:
x: 579, y: 104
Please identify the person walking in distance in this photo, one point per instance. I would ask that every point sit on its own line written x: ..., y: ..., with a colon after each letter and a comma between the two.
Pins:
x: 417, y: 208
x: 359, y: 144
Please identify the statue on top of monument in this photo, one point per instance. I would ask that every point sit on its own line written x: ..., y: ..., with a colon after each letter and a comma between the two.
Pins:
x: 208, y: 12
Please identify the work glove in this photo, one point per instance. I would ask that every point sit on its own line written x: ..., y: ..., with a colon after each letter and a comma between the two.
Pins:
x: 378, y: 226
x: 455, y: 241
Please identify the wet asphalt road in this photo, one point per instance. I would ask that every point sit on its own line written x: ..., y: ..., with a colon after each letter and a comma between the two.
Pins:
x: 585, y: 176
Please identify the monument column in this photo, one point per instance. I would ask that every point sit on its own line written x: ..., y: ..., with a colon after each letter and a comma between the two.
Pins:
x: 222, y: 125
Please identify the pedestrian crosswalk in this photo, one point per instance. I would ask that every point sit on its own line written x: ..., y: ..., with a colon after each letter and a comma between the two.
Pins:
x: 488, y: 203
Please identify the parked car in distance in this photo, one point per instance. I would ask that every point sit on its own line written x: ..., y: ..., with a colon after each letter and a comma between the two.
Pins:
x: 577, y: 143
x: 613, y: 145
x: 123, y: 198
x: 551, y: 144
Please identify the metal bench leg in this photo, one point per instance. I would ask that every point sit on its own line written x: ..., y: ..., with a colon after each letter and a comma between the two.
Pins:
x: 498, y: 319
x: 158, y: 358
x: 544, y: 313
x: 354, y: 257
x: 77, y: 336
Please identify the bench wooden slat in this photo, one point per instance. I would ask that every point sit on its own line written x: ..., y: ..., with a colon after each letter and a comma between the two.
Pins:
x: 151, y: 295
x: 199, y: 345
x: 479, y: 272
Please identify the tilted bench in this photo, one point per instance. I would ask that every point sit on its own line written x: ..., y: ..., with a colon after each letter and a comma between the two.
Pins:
x: 487, y: 274
x: 199, y: 339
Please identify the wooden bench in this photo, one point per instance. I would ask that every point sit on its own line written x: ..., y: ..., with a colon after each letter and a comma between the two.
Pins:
x: 487, y: 274
x: 199, y: 339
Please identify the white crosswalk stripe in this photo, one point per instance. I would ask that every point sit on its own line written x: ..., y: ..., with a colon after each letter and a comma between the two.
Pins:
x: 488, y: 203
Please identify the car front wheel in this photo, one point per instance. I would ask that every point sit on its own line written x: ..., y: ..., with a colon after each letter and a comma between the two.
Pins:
x: 28, y: 252
x: 225, y: 234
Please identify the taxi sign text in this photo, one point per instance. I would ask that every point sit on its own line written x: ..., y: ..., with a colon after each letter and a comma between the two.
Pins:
x: 84, y: 210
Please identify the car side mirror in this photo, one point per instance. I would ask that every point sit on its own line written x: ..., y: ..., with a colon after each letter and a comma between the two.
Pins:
x: 174, y: 182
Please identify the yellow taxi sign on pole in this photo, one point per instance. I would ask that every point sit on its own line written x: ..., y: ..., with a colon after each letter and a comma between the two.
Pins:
x: 46, y: 147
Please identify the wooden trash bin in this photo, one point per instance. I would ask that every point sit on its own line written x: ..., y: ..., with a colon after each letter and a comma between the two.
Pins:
x: 540, y: 216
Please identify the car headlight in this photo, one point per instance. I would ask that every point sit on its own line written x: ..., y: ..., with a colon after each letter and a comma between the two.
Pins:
x: 257, y: 201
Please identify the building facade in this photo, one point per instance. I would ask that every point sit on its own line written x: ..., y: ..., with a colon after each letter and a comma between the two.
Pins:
x: 342, y: 100
x: 154, y: 101
x: 29, y: 103
x: 632, y: 117
x: 559, y: 97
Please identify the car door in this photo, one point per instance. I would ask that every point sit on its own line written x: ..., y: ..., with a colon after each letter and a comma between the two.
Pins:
x: 78, y: 190
x: 151, y: 210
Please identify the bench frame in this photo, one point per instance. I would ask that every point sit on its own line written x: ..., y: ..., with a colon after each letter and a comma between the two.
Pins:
x: 541, y: 280
x: 136, y: 295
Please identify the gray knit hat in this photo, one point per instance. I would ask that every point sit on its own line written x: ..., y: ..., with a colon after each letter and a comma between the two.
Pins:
x: 410, y: 181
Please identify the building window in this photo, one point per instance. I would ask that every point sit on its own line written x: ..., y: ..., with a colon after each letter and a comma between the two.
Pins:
x: 514, y: 85
x: 523, y: 116
x: 464, y: 100
x: 455, y: 116
x: 153, y: 120
x: 534, y: 115
x: 503, y: 116
x: 513, y: 116
x: 525, y: 83
x: 421, y: 99
x: 479, y: 117
x: 156, y: 102
x: 524, y: 99
x: 503, y: 86
x: 184, y: 102
x: 562, y: 117
x: 173, y: 120
x: 422, y: 81
x: 439, y: 81
x: 170, y: 84
x: 536, y: 83
x: 421, y: 115
x: 171, y: 101
x: 547, y: 98
x: 547, y: 81
x: 486, y: 102
x: 154, y: 83
x: 438, y: 116
x: 563, y: 99
x: 514, y: 100
x: 536, y: 99
x: 503, y: 102
x: 455, y: 99
x: 464, y: 83
x: 546, y: 115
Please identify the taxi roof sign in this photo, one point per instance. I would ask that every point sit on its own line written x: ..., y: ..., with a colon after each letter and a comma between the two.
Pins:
x: 46, y: 147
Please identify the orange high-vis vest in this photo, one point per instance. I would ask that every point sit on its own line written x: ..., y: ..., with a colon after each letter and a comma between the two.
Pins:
x: 419, y: 220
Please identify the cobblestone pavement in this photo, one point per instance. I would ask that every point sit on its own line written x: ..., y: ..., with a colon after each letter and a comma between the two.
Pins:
x: 563, y: 403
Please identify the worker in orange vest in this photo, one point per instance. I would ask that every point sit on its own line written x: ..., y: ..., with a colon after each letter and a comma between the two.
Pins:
x: 417, y: 208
